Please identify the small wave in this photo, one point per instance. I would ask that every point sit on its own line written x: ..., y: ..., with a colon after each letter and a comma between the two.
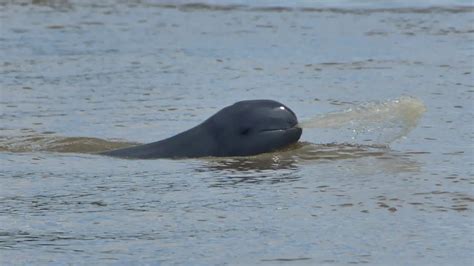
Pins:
x: 51, y: 143
x: 343, y: 8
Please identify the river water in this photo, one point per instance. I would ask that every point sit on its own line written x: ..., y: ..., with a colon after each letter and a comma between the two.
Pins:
x: 383, y: 173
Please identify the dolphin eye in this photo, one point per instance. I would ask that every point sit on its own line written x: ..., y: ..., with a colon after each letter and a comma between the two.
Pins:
x: 245, y: 131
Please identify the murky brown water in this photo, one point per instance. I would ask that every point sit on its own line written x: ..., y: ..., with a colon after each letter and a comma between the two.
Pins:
x: 374, y: 179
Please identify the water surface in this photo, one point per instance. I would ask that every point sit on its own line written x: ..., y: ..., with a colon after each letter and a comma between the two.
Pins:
x: 356, y: 189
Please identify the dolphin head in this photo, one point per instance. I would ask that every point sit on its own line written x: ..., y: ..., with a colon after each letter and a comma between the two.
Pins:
x: 253, y: 127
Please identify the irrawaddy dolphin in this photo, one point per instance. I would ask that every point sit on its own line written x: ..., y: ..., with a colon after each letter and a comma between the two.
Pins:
x: 242, y: 129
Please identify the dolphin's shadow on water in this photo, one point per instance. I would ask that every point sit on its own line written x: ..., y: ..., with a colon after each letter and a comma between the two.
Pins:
x: 284, y: 166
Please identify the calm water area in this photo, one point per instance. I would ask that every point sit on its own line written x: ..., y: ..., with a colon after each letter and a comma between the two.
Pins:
x: 383, y: 173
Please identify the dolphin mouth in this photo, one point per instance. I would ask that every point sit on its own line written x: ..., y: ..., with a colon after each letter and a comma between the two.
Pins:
x: 280, y: 129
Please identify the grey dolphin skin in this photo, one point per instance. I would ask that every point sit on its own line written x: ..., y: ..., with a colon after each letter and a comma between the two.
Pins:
x: 242, y: 129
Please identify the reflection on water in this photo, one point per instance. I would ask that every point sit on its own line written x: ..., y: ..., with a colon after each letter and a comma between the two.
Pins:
x: 284, y: 166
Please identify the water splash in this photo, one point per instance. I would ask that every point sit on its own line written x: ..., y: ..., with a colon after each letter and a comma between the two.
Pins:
x: 384, y: 121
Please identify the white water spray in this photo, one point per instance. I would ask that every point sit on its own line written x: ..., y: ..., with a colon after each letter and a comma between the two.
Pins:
x: 389, y: 120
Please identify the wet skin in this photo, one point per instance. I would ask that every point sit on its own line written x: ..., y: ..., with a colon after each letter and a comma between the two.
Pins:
x: 242, y: 129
